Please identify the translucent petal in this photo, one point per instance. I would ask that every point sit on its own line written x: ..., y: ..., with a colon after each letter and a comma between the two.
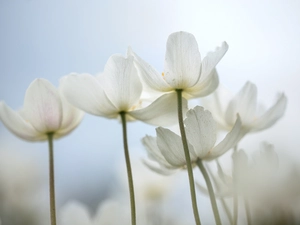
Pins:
x: 272, y: 115
x: 42, y: 106
x: 151, y: 79
x: 201, y: 130
x: 86, y: 93
x: 162, y: 112
x: 244, y: 103
x: 121, y: 82
x: 183, y: 61
x: 75, y: 213
x: 18, y: 126
x: 159, y: 168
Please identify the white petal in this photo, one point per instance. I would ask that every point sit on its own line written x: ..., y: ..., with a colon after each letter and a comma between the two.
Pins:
x: 121, y: 82
x: 75, y: 213
x: 201, y: 130
x: 152, y: 80
x: 42, y: 106
x: 231, y: 139
x: 204, y: 86
x: 85, y: 92
x: 170, y: 145
x: 17, y: 125
x: 159, y: 168
x: 162, y: 112
x: 244, y: 103
x: 183, y: 61
x: 272, y: 115
x: 212, y: 59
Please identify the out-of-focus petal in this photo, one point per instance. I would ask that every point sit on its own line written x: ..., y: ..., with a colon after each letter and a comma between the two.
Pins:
x: 152, y: 80
x: 244, y: 103
x: 170, y: 145
x: 203, y: 87
x: 271, y: 116
x: 201, y: 130
x: 121, y: 82
x: 17, y: 125
x: 162, y: 112
x: 211, y: 60
x: 85, y: 92
x: 183, y: 60
x: 42, y: 106
x: 231, y: 139
x: 158, y: 168
x: 75, y: 213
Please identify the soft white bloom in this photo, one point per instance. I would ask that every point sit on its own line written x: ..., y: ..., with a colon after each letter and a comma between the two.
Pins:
x: 183, y: 68
x: 201, y: 131
x: 245, y: 103
x: 45, y: 111
x: 118, y: 89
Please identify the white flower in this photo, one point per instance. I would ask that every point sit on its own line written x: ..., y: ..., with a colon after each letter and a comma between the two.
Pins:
x: 201, y: 131
x: 118, y: 89
x: 183, y: 68
x: 45, y: 111
x: 245, y: 104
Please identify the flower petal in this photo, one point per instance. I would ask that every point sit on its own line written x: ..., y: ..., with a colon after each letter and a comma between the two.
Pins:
x: 271, y: 116
x: 244, y: 103
x: 204, y: 86
x: 159, y: 168
x: 75, y: 213
x: 151, y: 79
x: 231, y: 139
x: 85, y: 92
x: 162, y: 112
x: 212, y: 59
x: 42, y: 106
x: 183, y: 61
x: 121, y: 82
x: 201, y: 130
x: 17, y: 125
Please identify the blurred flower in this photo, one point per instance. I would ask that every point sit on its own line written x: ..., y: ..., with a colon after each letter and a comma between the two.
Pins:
x: 118, y: 89
x: 167, y: 148
x: 45, y: 111
x: 245, y: 103
x: 183, y: 68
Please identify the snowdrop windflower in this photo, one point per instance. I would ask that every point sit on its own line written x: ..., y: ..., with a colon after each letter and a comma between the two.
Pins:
x: 201, y: 129
x: 45, y: 111
x: 183, y: 69
x: 245, y: 103
x: 118, y: 89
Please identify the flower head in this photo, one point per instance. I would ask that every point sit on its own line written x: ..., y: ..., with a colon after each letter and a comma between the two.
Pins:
x: 45, y: 111
x: 201, y: 131
x: 183, y: 68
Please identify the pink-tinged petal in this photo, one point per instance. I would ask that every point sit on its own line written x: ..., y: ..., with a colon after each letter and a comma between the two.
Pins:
x: 272, y: 115
x: 170, y: 145
x: 18, y: 126
x: 71, y: 117
x: 162, y: 112
x: 42, y: 106
x: 204, y: 87
x: 183, y: 61
x: 151, y: 79
x: 230, y: 140
x: 201, y: 130
x: 122, y: 84
x: 75, y: 213
x: 85, y: 92
x: 244, y: 103
x: 211, y: 60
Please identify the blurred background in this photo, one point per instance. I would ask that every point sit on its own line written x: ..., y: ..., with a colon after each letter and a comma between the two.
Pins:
x: 50, y: 39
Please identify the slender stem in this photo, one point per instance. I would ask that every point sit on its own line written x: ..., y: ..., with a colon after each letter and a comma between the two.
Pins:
x: 210, y: 191
x: 187, y: 158
x: 247, y: 209
x: 235, y: 195
x: 128, y: 167
x: 51, y: 180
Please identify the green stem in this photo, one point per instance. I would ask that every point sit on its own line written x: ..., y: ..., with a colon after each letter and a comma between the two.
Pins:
x: 235, y: 195
x: 187, y: 158
x: 210, y: 191
x: 128, y: 167
x: 51, y: 180
x: 247, y: 209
